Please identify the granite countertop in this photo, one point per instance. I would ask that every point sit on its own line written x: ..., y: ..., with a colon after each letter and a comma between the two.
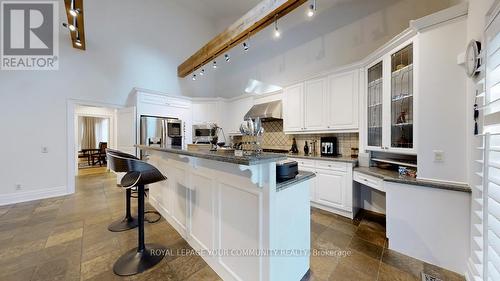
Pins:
x: 302, y: 176
x: 340, y: 158
x: 222, y: 156
x: 393, y: 176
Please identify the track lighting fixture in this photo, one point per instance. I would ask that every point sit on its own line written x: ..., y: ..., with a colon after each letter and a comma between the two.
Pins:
x: 245, y: 46
x: 227, y: 58
x: 202, y: 72
x: 194, y: 77
x: 214, y: 65
x: 311, y: 9
x: 277, y: 32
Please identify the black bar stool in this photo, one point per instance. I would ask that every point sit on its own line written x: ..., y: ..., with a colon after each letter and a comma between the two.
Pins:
x: 128, y: 222
x: 138, y: 175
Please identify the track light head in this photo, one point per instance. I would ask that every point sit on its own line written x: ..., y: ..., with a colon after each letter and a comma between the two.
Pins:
x: 277, y: 33
x: 311, y: 9
x: 78, y: 43
x: 202, y: 72
x: 69, y: 26
x: 214, y: 65
x: 227, y: 58
x: 74, y: 12
x: 194, y: 77
x: 245, y: 46
x: 310, y: 12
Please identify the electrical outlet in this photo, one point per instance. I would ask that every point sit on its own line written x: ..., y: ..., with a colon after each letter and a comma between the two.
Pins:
x: 438, y: 156
x: 18, y: 186
x: 45, y: 149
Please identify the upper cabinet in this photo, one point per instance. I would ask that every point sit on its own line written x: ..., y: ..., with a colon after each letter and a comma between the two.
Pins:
x: 206, y: 111
x: 343, y: 101
x: 293, y: 108
x: 236, y: 111
x: 322, y: 104
x: 390, y: 92
x: 315, y: 95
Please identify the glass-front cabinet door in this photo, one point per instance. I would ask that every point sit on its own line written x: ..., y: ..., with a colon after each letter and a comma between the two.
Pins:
x: 390, y: 101
x: 374, y: 103
x: 402, y: 98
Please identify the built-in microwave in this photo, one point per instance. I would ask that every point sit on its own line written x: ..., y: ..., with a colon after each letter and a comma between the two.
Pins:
x: 203, y: 133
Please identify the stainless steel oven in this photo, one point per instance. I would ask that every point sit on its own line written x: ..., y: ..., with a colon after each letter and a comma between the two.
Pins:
x: 203, y: 133
x: 174, y: 132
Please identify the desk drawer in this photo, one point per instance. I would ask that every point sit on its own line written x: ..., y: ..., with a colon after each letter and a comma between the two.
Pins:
x: 370, y: 181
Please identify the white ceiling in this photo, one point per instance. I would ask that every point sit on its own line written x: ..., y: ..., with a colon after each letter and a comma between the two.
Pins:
x: 217, y: 9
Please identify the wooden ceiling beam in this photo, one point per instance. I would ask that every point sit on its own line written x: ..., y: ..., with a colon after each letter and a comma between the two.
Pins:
x: 252, y: 22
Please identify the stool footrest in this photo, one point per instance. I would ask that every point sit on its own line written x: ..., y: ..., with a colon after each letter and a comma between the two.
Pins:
x: 134, y: 262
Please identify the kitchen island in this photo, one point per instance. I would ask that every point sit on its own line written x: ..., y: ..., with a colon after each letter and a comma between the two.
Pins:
x: 231, y: 210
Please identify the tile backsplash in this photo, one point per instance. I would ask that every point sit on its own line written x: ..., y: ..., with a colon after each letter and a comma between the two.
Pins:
x: 274, y: 138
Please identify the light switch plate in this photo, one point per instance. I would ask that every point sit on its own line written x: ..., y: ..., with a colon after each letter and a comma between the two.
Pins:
x: 438, y: 155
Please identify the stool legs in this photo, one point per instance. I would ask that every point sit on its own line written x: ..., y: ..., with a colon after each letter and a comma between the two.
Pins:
x: 145, y: 256
x: 128, y: 222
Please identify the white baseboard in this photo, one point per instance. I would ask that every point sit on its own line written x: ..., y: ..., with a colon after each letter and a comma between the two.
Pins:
x: 25, y: 196
x: 340, y: 212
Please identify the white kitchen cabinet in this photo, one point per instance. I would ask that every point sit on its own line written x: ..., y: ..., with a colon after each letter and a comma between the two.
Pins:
x: 323, y: 104
x: 390, y: 95
x: 332, y: 188
x: 235, y: 111
x: 315, y: 93
x: 293, y: 108
x: 205, y: 111
x: 343, y: 101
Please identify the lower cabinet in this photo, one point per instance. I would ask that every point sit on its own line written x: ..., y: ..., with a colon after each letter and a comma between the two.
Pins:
x: 331, y: 189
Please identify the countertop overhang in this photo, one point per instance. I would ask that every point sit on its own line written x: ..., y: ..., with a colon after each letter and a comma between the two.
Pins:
x: 221, y: 156
x: 393, y: 176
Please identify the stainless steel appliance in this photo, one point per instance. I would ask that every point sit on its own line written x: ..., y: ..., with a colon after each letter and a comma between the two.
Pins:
x: 266, y: 111
x: 329, y: 146
x: 161, y: 131
x: 204, y: 133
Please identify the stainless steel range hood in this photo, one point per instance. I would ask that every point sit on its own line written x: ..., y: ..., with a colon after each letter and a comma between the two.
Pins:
x: 266, y: 111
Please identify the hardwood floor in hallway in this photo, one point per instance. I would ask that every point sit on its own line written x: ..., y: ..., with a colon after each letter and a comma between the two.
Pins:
x: 66, y: 238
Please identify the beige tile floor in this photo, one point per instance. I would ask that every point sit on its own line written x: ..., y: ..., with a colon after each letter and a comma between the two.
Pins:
x: 66, y: 238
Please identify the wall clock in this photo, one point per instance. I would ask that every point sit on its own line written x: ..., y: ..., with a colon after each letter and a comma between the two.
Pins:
x: 472, y: 58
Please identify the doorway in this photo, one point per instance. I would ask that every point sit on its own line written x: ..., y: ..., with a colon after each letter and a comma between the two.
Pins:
x: 94, y: 132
